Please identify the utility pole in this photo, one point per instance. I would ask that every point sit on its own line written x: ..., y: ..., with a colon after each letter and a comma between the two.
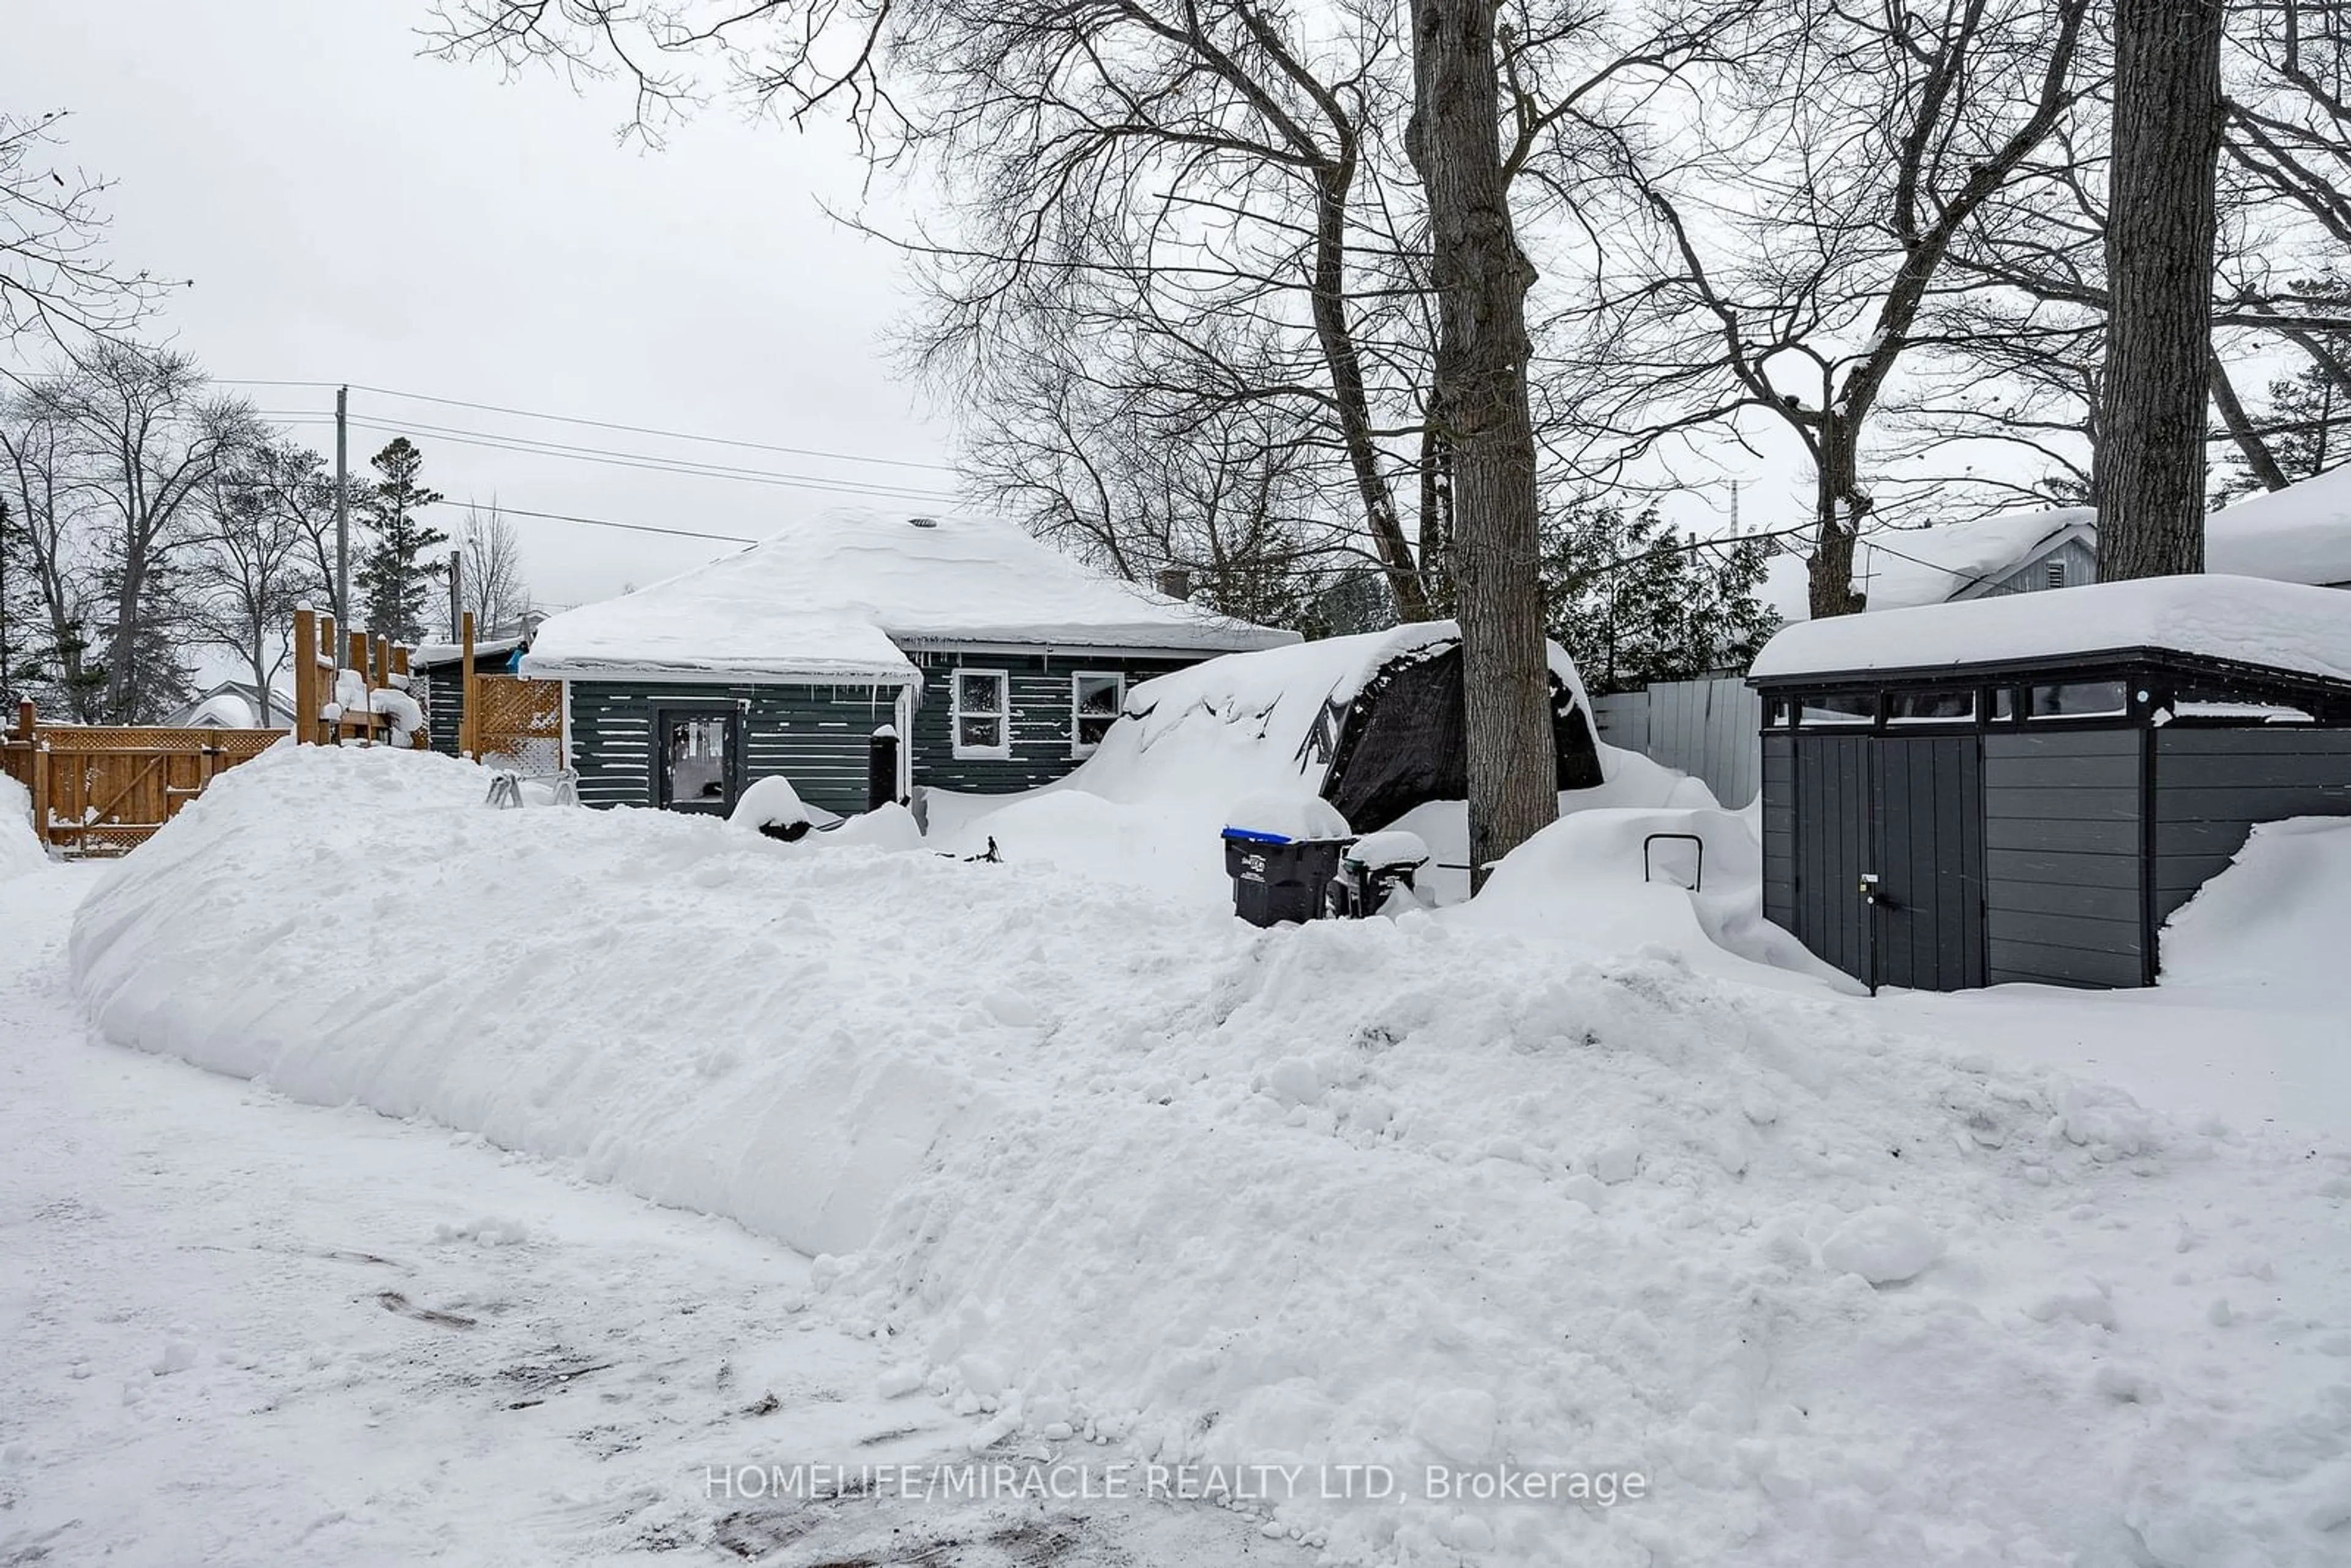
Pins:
x: 342, y: 509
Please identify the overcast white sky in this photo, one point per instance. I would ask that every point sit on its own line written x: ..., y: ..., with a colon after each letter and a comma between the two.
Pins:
x: 351, y: 212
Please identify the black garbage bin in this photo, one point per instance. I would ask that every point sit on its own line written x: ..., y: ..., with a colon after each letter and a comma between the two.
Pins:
x: 1277, y: 878
x: 1372, y: 868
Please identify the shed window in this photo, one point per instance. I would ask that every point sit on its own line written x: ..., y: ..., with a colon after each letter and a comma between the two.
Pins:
x: 2081, y: 699
x: 981, y: 714
x: 1775, y: 713
x: 1838, y: 708
x: 2003, y: 703
x: 1095, y: 698
x: 1932, y: 707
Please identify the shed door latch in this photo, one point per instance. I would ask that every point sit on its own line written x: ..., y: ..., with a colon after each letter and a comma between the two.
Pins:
x: 1873, y: 891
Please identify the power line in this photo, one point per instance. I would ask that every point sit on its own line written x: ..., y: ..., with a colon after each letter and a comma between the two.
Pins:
x: 611, y: 424
x: 650, y: 463
x: 501, y: 507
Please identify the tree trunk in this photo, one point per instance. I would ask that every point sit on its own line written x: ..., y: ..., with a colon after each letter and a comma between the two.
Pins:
x: 1482, y: 278
x: 1838, y: 509
x: 2259, y: 459
x: 1336, y: 338
x: 2160, y: 258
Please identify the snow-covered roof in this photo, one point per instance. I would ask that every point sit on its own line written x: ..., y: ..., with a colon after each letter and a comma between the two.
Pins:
x: 2299, y: 534
x: 2280, y: 625
x: 1897, y: 569
x: 836, y: 596
x: 427, y: 655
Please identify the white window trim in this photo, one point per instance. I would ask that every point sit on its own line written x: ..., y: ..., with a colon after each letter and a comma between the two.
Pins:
x: 1077, y: 746
x: 1003, y: 714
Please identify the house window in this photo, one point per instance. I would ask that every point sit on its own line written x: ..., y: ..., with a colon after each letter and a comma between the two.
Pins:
x: 981, y: 713
x: 2080, y: 699
x: 1095, y: 699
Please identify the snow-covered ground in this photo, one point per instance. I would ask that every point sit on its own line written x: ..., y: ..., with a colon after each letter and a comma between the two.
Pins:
x: 239, y: 1330
x: 1557, y: 1184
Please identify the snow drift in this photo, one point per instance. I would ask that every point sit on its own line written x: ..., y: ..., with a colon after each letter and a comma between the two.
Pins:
x: 20, y: 847
x: 2274, y: 917
x: 1455, y: 1190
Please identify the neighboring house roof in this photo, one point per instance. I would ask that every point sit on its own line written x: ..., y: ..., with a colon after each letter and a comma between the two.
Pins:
x: 1897, y: 569
x: 2299, y: 534
x: 836, y: 598
x: 2247, y: 621
x: 234, y: 704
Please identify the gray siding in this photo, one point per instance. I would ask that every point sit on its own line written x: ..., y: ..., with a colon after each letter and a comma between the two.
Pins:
x: 817, y: 737
x: 2214, y: 785
x: 442, y: 691
x: 1040, y: 693
x: 2079, y: 558
x: 2064, y: 843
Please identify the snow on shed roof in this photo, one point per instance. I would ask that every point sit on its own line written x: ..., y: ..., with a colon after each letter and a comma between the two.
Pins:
x: 2280, y: 625
x: 834, y: 596
x: 2299, y: 534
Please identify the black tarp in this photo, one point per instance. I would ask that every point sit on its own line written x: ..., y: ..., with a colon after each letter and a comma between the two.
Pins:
x: 1400, y: 743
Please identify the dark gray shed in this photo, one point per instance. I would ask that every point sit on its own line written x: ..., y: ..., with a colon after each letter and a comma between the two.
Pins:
x: 2025, y: 788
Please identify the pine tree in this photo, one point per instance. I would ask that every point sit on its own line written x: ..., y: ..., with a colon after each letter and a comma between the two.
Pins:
x: 393, y: 583
x: 1633, y: 602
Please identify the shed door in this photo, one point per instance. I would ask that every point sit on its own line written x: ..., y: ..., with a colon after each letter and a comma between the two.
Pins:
x: 696, y: 758
x: 1929, y: 855
x: 1909, y: 808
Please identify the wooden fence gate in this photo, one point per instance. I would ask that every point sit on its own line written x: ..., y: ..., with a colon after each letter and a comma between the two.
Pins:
x: 99, y: 790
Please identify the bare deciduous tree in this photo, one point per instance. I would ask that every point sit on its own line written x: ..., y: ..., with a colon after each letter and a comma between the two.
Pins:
x: 248, y: 567
x: 55, y: 275
x: 1482, y: 279
x: 1804, y: 228
x: 490, y: 581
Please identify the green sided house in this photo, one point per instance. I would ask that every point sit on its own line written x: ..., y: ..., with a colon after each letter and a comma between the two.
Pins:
x: 998, y: 663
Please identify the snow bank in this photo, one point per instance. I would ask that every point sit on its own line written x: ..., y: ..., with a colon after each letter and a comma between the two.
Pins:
x: 20, y: 848
x: 2287, y: 625
x: 1411, y: 1193
x: 2274, y: 917
x: 1687, y: 881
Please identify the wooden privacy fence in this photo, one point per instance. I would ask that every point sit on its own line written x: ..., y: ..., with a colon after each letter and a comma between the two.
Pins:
x: 104, y: 790
x: 513, y: 716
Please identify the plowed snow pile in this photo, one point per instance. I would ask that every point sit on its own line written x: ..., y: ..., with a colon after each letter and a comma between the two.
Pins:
x: 1441, y: 1192
x: 20, y: 850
